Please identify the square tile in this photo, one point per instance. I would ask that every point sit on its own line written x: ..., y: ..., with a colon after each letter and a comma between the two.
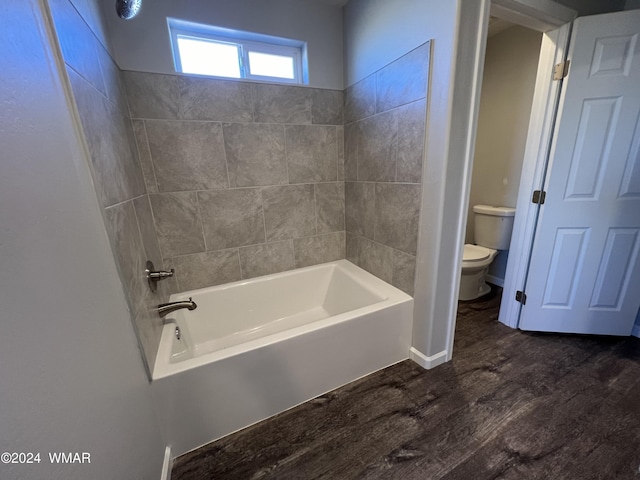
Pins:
x: 404, y: 80
x: 128, y: 249
x: 207, y: 269
x: 187, y: 155
x: 267, y: 258
x: 113, y: 81
x: 289, y: 211
x: 404, y: 271
x: 147, y: 227
x: 352, y: 247
x: 360, y: 100
x: 340, y: 140
x: 373, y: 257
x: 351, y: 151
x: 231, y: 218
x: 360, y: 208
x: 178, y: 223
x: 319, y: 249
x: 218, y: 100
x: 329, y: 207
x: 151, y: 95
x: 377, y: 147
x: 312, y: 153
x: 411, y: 141
x: 397, y: 215
x: 109, y: 135
x: 327, y: 107
x: 255, y: 154
x: 282, y: 104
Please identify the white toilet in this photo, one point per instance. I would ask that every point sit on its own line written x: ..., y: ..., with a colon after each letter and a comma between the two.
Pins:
x: 493, y: 227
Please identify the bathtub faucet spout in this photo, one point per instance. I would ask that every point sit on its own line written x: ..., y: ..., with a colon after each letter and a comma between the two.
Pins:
x: 166, y: 308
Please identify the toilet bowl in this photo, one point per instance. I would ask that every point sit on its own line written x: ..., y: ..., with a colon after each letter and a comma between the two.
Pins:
x: 493, y: 226
x: 475, y: 262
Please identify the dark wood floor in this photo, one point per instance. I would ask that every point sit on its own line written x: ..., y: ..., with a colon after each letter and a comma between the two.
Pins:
x: 510, y: 405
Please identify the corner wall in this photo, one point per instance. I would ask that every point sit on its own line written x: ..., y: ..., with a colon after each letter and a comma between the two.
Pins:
x: 98, y: 94
x: 71, y: 374
x: 384, y: 145
x: 376, y: 33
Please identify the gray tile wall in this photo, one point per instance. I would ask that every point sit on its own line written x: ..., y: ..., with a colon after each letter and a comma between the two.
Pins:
x: 226, y: 180
x: 245, y: 179
x: 117, y: 168
x: 384, y: 138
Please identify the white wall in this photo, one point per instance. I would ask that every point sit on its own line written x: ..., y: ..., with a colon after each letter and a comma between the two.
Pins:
x: 143, y: 43
x: 376, y: 32
x: 71, y: 374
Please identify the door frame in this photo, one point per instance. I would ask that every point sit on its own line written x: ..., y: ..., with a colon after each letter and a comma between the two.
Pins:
x: 554, y: 21
x: 440, y: 256
x: 534, y: 167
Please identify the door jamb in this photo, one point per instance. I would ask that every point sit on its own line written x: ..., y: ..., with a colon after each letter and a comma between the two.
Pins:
x: 544, y: 11
x: 536, y: 153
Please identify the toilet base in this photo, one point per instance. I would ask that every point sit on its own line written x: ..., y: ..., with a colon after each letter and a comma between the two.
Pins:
x: 473, y: 285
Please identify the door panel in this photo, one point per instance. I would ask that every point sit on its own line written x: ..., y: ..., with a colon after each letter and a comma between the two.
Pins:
x: 631, y: 180
x: 593, y: 146
x: 620, y: 255
x: 567, y: 258
x: 584, y: 275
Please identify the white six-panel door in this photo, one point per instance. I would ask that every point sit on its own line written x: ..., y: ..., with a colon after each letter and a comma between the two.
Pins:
x: 584, y: 275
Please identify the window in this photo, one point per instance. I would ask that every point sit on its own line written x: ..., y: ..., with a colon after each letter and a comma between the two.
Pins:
x: 207, y: 50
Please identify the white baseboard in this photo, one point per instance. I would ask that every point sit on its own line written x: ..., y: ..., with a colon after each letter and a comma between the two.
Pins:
x: 636, y: 330
x: 495, y: 280
x: 166, y: 464
x: 425, y: 361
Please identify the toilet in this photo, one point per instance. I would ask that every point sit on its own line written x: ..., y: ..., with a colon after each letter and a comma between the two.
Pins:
x: 493, y: 227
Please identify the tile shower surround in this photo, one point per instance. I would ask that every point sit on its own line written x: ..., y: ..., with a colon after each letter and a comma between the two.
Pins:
x: 384, y: 147
x: 238, y: 178
x: 100, y: 99
x: 245, y: 179
x: 248, y: 178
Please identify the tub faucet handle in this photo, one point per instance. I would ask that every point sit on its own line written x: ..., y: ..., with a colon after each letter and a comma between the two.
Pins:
x: 154, y: 276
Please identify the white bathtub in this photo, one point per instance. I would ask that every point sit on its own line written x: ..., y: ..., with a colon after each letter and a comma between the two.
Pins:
x: 258, y: 347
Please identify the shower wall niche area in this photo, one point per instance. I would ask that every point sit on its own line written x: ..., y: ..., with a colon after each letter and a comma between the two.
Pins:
x: 508, y: 82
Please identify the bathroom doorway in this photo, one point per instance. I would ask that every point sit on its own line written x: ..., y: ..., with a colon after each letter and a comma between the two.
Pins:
x: 508, y: 83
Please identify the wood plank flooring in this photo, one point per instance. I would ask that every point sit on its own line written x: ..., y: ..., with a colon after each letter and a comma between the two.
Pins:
x: 510, y: 405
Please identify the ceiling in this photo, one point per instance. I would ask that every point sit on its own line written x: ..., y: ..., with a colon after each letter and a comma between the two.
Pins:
x: 497, y: 25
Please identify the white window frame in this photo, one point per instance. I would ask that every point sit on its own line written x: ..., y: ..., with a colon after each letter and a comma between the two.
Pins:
x: 246, y: 42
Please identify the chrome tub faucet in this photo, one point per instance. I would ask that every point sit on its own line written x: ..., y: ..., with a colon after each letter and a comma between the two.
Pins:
x: 166, y: 308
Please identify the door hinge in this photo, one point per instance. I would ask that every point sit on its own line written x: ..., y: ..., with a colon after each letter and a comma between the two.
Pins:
x: 561, y: 70
x: 538, y: 197
x: 521, y: 297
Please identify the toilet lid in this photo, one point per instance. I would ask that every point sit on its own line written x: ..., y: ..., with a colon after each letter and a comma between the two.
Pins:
x: 475, y: 253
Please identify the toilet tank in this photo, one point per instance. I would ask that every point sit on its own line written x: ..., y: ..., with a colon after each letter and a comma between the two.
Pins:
x: 493, y: 226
